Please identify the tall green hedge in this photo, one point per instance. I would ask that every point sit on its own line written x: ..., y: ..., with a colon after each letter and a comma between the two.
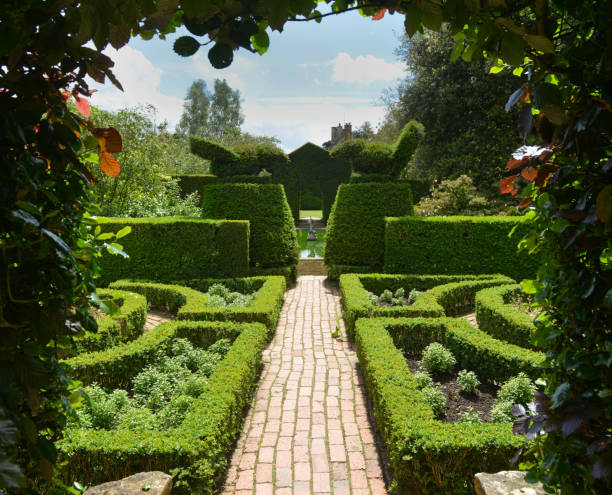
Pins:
x: 356, y: 227
x: 190, y: 183
x: 273, y: 240
x: 319, y: 174
x: 420, y: 187
x: 170, y: 248
x: 249, y: 160
x: 452, y: 245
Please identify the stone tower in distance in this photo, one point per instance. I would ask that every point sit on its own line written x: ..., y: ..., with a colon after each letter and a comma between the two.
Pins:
x: 340, y: 134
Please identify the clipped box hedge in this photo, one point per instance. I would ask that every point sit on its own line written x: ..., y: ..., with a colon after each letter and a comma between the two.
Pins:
x: 498, y: 317
x: 443, y: 294
x: 171, y: 248
x: 188, y: 301
x: 273, y: 239
x: 452, y: 245
x: 428, y: 456
x: 193, y: 183
x: 122, y: 327
x: 356, y: 226
x: 196, y: 453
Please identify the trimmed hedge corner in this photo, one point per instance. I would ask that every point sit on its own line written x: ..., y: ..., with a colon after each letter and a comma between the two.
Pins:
x: 442, y: 294
x: 196, y: 452
x: 499, y: 318
x: 452, y: 245
x: 112, y: 330
x: 188, y: 300
x: 273, y: 239
x: 356, y: 227
x: 170, y: 248
x: 428, y: 457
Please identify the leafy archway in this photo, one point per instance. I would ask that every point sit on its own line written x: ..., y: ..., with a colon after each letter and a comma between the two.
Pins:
x: 49, y: 242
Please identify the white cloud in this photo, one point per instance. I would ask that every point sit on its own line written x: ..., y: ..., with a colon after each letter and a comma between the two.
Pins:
x: 297, y: 120
x: 364, y: 69
x: 140, y: 80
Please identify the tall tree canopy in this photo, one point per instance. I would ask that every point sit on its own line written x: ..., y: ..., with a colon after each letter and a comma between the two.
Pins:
x: 461, y: 106
x: 215, y: 115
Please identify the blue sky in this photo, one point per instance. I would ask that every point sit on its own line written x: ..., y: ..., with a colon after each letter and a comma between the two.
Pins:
x: 312, y: 77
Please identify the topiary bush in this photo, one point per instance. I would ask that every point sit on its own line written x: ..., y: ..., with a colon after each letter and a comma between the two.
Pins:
x: 453, y: 245
x: 372, y: 157
x: 273, y: 239
x: 468, y: 381
x: 190, y: 183
x: 356, y: 226
x: 170, y: 248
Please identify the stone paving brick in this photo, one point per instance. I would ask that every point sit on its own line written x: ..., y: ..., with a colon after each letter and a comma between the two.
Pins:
x: 307, y: 431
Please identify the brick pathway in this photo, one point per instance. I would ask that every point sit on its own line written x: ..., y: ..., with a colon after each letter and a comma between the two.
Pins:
x: 155, y: 317
x: 307, y: 430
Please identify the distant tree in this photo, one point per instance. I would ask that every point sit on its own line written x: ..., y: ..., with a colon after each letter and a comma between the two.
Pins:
x: 461, y: 106
x: 216, y: 116
x: 194, y: 121
x: 365, y: 131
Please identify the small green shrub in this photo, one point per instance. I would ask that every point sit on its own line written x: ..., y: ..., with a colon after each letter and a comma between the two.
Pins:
x: 220, y: 296
x: 468, y: 381
x: 399, y: 293
x: 373, y: 298
x: 470, y: 416
x: 412, y: 296
x: 454, y: 197
x: 517, y: 390
x: 423, y: 379
x: 435, y: 398
x: 386, y: 296
x: 437, y: 359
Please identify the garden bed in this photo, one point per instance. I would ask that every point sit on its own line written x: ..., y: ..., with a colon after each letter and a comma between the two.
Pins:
x: 189, y: 300
x: 440, y: 295
x: 429, y: 456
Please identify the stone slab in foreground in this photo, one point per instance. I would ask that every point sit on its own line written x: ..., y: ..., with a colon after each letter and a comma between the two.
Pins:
x: 506, y: 483
x: 151, y: 483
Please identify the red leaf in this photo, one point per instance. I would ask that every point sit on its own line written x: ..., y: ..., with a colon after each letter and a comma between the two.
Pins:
x: 82, y: 105
x: 529, y: 173
x: 524, y: 203
x: 379, y: 15
x: 507, y: 185
x: 603, y: 204
x: 109, y: 164
x: 92, y: 91
x: 65, y: 95
x: 514, y: 163
x: 108, y: 138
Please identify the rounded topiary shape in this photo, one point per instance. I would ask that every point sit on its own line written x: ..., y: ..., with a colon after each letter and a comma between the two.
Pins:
x: 223, y: 162
x: 405, y: 146
x: 437, y: 359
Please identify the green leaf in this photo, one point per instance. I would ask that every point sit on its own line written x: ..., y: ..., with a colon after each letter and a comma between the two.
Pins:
x: 221, y: 55
x: 106, y: 236
x: 432, y: 15
x: 529, y: 286
x: 146, y: 487
x: 541, y: 43
x: 124, y: 231
x: 9, y: 37
x: 512, y: 49
x: 186, y: 46
x: 412, y: 22
x: 261, y: 41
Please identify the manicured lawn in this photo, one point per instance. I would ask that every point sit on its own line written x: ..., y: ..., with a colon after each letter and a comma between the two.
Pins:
x: 311, y: 213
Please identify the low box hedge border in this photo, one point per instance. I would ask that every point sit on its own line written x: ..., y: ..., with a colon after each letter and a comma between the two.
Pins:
x: 444, y: 294
x: 497, y: 317
x: 428, y: 457
x: 190, y: 304
x: 195, y: 453
x: 112, y: 330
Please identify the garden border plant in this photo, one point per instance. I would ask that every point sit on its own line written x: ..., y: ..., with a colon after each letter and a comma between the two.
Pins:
x: 498, y: 317
x: 442, y: 294
x: 196, y: 453
x: 190, y: 304
x: 427, y: 455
